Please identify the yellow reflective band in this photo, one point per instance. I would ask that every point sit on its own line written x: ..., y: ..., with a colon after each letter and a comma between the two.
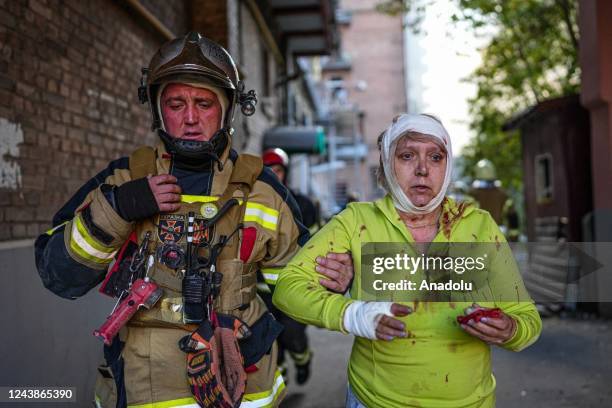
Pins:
x: 79, y: 251
x: 188, y: 402
x: 300, y: 358
x: 265, y: 216
x: 271, y: 212
x: 256, y: 400
x: 270, y: 276
x: 81, y: 247
x: 265, y: 399
x: 90, y: 240
x: 52, y: 230
x: 189, y: 199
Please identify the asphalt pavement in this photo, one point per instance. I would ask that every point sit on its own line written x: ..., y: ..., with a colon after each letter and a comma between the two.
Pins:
x: 569, y: 366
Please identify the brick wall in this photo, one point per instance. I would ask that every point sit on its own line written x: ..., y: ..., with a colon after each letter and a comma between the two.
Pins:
x: 69, y: 71
x: 212, y: 23
x: 174, y: 14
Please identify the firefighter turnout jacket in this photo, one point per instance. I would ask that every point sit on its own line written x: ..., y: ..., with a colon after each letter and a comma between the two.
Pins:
x: 144, y: 365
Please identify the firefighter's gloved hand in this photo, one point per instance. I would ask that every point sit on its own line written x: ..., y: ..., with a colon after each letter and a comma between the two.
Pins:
x: 375, y: 320
x: 215, y: 367
x: 133, y: 200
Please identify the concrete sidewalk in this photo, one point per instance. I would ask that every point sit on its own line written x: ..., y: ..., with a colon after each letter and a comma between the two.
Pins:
x: 46, y: 340
x: 569, y: 366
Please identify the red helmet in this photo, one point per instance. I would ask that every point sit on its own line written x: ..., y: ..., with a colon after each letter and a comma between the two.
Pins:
x: 275, y: 156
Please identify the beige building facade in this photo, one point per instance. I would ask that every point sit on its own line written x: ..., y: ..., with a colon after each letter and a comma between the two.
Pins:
x: 366, y: 77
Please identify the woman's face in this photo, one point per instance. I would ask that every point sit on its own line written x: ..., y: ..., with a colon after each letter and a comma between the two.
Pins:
x: 420, y: 167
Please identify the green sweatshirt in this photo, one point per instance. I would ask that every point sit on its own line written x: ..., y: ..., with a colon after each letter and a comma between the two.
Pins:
x: 438, y: 365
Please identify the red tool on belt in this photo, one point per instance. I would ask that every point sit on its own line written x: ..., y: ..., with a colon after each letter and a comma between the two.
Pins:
x: 142, y: 293
x: 478, y: 314
x: 137, y: 291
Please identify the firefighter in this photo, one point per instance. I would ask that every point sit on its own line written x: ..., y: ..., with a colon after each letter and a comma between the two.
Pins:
x: 459, y: 191
x: 195, y: 219
x: 278, y: 161
x: 293, y: 339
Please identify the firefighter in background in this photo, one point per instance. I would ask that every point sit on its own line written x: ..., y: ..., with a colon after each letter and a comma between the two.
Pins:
x: 293, y: 338
x: 278, y: 161
x: 486, y: 190
x: 459, y: 191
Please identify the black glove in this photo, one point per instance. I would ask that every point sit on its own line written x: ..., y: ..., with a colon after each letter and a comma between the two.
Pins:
x: 134, y: 200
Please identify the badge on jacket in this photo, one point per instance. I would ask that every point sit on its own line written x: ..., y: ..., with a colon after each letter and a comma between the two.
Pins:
x: 173, y: 227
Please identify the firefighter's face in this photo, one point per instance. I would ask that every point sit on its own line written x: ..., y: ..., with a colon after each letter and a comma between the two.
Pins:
x: 420, y: 167
x: 279, y: 171
x: 190, y: 113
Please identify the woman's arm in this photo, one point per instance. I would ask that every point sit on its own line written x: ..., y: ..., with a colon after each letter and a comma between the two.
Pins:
x: 528, y: 325
x: 299, y: 293
x: 510, y: 294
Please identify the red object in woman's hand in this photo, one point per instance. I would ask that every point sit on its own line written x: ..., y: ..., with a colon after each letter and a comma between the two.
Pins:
x: 477, y: 315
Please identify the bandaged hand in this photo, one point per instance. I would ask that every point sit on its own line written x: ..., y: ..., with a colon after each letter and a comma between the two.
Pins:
x: 375, y: 320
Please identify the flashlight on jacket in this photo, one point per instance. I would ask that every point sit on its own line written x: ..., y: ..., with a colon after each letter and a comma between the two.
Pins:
x: 143, y: 293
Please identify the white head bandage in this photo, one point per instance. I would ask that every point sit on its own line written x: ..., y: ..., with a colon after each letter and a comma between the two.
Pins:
x: 424, y: 125
x: 221, y: 97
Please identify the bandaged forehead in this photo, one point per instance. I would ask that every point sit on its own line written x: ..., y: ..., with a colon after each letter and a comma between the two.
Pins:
x: 421, y: 124
x: 410, y: 138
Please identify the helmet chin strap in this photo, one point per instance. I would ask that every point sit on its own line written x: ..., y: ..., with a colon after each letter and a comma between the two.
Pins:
x: 193, y: 154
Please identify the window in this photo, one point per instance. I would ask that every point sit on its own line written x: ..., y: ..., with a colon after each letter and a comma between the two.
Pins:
x: 341, y: 191
x: 338, y: 92
x: 544, y: 178
x: 335, y: 84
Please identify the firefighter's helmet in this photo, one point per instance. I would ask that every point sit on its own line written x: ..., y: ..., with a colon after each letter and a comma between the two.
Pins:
x: 485, y: 170
x: 275, y: 156
x: 195, y: 59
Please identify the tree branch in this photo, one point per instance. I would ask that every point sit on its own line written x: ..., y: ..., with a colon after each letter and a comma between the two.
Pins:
x: 567, y: 19
x: 531, y: 78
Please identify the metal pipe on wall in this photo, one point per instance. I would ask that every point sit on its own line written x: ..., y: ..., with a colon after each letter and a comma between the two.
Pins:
x: 150, y: 18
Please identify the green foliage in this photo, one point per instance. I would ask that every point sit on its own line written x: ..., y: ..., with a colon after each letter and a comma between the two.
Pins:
x: 532, y: 56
